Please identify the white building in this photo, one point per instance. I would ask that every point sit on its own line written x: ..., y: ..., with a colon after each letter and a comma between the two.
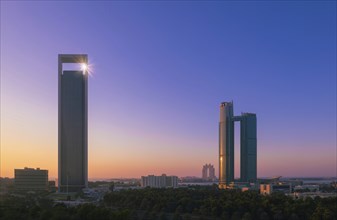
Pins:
x: 162, y: 181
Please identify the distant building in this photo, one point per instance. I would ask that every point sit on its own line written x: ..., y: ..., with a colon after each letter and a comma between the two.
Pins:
x: 191, y: 179
x: 162, y: 181
x: 267, y: 189
x: 52, y: 185
x: 30, y: 179
x: 310, y: 188
x: 208, y: 172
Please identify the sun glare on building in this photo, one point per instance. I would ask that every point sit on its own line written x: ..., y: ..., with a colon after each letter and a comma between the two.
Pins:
x: 84, y: 66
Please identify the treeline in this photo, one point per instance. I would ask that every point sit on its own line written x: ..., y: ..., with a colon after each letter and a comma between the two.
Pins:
x: 208, y: 202
x: 198, y: 203
x: 32, y: 208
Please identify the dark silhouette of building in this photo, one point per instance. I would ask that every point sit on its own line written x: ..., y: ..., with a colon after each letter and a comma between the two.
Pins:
x: 248, y: 163
x: 73, y: 121
x: 30, y: 179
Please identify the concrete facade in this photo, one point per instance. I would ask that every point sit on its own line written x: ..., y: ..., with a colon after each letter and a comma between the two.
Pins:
x: 73, y: 125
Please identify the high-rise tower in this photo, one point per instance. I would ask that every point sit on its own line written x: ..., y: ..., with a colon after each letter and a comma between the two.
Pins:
x: 72, y: 124
x: 248, y: 147
x: 226, y: 144
x: 248, y: 151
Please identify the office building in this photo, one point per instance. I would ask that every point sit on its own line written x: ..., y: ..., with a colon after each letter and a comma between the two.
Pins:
x: 30, y: 179
x: 248, y: 154
x: 208, y: 172
x: 267, y: 189
x: 73, y: 124
x: 226, y: 144
x: 248, y: 146
x: 162, y: 181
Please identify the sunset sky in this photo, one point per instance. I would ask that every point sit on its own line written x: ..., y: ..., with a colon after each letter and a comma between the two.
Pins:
x: 159, y: 73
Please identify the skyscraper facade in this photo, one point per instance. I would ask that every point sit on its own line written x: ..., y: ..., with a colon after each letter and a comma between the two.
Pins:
x: 73, y: 125
x: 248, y: 148
x: 248, y: 156
x: 226, y: 144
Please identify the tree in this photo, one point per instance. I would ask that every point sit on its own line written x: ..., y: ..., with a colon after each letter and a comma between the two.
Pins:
x: 247, y: 216
x: 111, y: 186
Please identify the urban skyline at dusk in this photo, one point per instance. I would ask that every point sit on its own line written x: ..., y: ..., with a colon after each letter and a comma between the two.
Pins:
x: 158, y: 72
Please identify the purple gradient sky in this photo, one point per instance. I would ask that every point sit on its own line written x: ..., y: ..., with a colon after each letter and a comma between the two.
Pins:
x: 160, y: 71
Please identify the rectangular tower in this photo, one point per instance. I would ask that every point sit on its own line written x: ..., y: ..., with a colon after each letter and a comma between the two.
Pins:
x: 226, y: 144
x: 248, y: 150
x: 72, y: 125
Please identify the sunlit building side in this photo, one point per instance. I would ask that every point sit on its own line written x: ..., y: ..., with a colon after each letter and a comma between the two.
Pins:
x: 248, y: 149
x: 226, y: 144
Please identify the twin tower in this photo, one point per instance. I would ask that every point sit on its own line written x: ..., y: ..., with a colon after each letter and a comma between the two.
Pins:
x: 248, y: 159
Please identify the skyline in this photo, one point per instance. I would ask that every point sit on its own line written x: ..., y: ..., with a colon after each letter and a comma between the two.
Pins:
x: 157, y: 81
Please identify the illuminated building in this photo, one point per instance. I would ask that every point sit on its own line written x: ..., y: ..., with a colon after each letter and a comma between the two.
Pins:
x: 226, y: 144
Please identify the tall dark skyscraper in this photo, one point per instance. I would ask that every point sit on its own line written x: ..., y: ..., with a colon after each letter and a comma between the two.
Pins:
x: 248, y: 157
x: 73, y: 124
x: 248, y: 151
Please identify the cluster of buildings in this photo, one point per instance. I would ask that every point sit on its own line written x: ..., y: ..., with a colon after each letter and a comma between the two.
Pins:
x: 162, y: 181
x: 72, y: 132
x: 73, y: 145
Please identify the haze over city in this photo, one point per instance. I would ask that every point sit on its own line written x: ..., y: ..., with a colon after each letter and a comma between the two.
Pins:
x: 159, y: 71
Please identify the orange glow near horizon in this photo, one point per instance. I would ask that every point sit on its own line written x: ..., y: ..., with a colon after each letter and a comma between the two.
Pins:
x: 29, y: 139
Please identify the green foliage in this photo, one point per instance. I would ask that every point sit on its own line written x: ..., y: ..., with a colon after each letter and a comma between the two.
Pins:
x: 178, y: 204
x: 42, y: 208
x: 222, y: 204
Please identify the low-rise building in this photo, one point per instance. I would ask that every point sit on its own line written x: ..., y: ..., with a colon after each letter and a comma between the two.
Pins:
x: 30, y: 179
x: 267, y: 189
x: 162, y: 181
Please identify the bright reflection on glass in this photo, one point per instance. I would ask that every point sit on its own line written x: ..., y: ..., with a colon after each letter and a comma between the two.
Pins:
x: 84, y: 66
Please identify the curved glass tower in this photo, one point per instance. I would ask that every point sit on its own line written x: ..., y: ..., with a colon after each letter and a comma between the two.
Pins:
x: 226, y: 144
x: 248, y: 151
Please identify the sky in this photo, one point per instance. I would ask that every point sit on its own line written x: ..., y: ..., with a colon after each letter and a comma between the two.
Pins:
x: 159, y: 73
